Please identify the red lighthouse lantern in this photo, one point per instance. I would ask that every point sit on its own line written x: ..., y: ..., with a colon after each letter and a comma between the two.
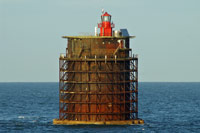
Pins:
x: 105, y: 25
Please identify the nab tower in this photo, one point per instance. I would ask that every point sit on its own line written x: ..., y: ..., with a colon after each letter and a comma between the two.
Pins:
x: 98, y: 78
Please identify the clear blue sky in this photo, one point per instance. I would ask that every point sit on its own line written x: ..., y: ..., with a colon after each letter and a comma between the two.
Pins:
x: 167, y: 36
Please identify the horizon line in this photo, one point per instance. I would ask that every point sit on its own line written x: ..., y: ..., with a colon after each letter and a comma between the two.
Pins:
x: 138, y: 82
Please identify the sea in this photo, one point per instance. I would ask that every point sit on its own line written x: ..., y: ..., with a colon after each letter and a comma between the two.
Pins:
x: 166, y: 107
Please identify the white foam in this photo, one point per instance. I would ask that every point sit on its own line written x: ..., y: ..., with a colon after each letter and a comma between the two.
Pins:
x: 21, y: 117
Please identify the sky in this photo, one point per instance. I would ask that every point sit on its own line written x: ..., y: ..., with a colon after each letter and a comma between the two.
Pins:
x: 167, y: 36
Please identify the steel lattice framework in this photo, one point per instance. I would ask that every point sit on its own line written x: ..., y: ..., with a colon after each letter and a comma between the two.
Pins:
x: 98, y: 89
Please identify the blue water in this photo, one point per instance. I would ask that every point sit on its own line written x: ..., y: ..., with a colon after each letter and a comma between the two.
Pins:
x: 165, y: 107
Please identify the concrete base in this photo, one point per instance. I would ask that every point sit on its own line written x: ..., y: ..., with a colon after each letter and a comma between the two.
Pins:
x: 127, y: 122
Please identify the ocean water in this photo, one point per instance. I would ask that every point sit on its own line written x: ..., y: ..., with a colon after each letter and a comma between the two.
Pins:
x: 165, y: 107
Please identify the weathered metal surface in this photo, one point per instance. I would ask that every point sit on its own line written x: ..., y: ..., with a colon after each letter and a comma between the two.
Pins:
x: 98, y: 82
x: 70, y: 122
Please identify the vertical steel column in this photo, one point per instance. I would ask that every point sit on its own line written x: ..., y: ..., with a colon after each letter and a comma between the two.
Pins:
x: 59, y: 89
x: 136, y: 64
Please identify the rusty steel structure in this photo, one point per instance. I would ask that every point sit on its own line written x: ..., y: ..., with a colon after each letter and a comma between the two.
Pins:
x: 98, y: 79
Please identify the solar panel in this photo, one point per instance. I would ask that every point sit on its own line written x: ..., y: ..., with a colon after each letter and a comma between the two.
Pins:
x: 124, y: 32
